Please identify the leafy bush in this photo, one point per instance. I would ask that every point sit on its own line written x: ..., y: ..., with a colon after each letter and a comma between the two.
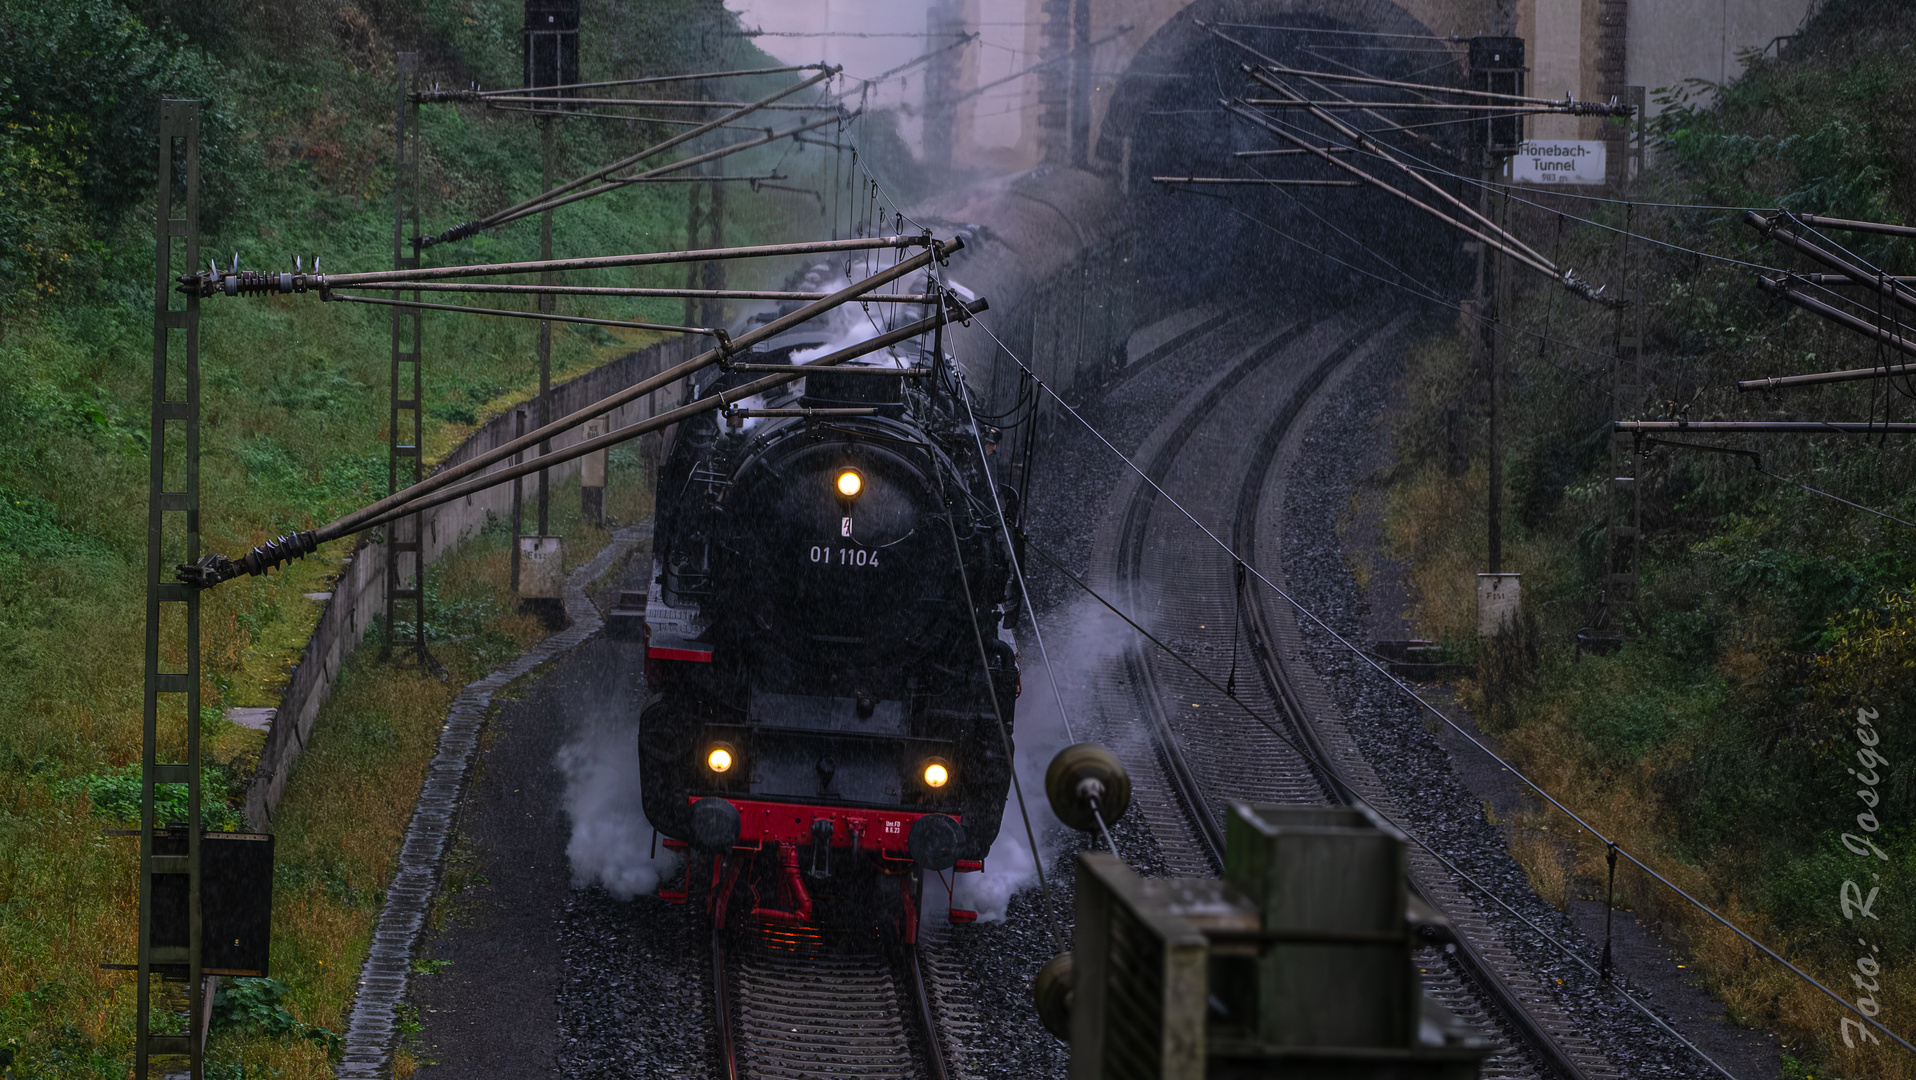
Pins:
x: 77, y: 149
x: 1717, y: 741
x: 254, y: 1004
x: 116, y: 795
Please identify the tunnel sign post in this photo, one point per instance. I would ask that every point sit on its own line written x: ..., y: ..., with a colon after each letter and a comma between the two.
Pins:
x: 1559, y: 161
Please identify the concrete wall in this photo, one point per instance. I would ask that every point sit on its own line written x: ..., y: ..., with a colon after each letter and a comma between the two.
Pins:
x: 1665, y: 43
x: 359, y: 590
x: 1674, y: 40
x: 1555, y: 40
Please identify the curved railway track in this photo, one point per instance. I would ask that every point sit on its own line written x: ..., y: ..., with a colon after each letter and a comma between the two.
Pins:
x: 1222, y: 452
x: 798, y: 1003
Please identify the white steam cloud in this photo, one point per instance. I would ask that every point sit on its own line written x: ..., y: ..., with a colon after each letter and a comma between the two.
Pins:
x: 612, y: 843
x: 1084, y: 639
x: 841, y: 328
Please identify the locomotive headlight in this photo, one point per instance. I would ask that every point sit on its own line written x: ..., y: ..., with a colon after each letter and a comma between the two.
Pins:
x: 719, y: 758
x: 849, y: 483
x: 936, y: 773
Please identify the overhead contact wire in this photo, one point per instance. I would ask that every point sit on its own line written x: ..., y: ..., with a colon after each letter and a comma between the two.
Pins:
x: 1398, y: 825
x: 1433, y: 710
x: 1004, y: 733
x: 1017, y: 570
x: 1341, y: 640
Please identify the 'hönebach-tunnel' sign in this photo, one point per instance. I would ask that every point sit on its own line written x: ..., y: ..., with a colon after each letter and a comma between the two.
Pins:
x: 1559, y: 161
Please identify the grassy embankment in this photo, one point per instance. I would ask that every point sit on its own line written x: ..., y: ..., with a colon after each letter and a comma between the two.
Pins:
x: 298, y: 145
x: 1717, y: 743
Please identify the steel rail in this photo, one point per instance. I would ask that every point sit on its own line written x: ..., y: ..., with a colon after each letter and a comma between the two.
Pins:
x: 1438, y: 714
x: 1254, y: 630
x: 658, y: 148
x: 508, y: 313
x: 1131, y: 536
x: 1309, y: 745
x: 706, y: 294
x: 1372, y: 80
x: 722, y: 400
x: 1271, y: 666
x: 794, y: 1000
x: 933, y: 1048
x: 617, y: 182
x: 214, y: 569
x: 722, y: 1021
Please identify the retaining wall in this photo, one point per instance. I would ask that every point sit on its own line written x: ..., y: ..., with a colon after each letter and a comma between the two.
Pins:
x: 359, y: 590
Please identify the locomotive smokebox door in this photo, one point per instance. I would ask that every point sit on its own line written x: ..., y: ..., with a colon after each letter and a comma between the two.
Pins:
x: 236, y: 901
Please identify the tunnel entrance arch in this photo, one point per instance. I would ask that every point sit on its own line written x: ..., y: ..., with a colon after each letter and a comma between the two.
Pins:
x: 1301, y: 245
x: 1137, y: 40
x: 1077, y: 255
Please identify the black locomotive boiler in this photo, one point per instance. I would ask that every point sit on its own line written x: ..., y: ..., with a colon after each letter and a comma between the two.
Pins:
x: 824, y: 636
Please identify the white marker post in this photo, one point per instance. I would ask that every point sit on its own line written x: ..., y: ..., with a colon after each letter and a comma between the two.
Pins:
x: 1499, y: 600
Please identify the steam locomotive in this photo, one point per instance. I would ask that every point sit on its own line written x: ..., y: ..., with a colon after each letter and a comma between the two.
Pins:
x: 825, y: 630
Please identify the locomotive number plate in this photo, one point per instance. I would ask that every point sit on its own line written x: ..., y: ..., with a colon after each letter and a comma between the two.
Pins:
x: 844, y: 556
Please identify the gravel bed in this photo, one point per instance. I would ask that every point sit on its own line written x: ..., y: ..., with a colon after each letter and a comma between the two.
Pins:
x: 1342, y: 449
x: 1073, y: 479
x: 634, y: 993
x: 635, y: 999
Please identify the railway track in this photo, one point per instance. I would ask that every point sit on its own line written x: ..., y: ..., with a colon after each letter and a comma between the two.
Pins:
x: 1190, y: 752
x: 806, y: 1002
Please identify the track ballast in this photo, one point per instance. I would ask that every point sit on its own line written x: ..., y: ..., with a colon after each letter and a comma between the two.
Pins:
x: 1192, y: 752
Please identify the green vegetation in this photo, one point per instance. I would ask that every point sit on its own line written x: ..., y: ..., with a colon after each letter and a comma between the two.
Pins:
x: 345, y: 810
x: 253, y: 1005
x: 1715, y: 742
x: 115, y: 795
x: 296, y: 155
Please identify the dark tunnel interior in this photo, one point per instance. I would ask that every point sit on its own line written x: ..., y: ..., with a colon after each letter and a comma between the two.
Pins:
x: 1304, y: 245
